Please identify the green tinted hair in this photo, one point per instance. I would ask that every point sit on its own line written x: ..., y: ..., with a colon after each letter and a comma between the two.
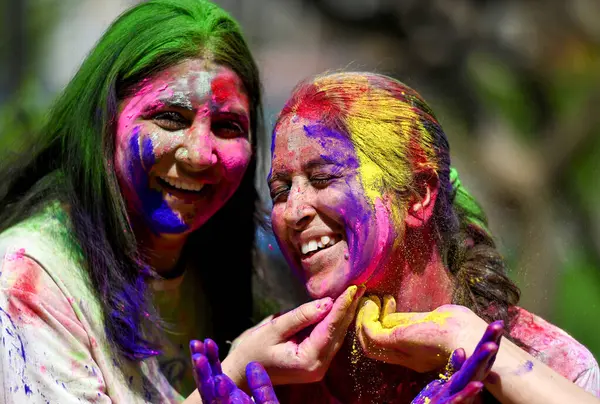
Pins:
x: 71, y: 159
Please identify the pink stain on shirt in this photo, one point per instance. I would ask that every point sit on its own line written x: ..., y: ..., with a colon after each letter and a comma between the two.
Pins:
x: 23, y: 292
x: 16, y: 255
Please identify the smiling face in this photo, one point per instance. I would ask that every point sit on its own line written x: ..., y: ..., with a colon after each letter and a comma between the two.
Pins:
x: 327, y: 227
x: 182, y: 145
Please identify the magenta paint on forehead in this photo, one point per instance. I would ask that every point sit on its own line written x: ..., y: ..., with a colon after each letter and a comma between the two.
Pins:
x: 324, y: 135
x: 158, y: 215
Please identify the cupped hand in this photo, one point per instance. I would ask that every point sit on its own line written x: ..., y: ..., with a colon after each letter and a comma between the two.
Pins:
x: 419, y: 341
x: 463, y: 380
x: 298, y: 346
x: 215, y: 387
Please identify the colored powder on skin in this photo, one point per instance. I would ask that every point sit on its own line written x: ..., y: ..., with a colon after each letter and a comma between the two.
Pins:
x: 163, y: 219
x: 398, y: 319
x: 526, y: 367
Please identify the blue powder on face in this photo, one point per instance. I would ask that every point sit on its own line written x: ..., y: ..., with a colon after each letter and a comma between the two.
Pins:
x: 158, y: 214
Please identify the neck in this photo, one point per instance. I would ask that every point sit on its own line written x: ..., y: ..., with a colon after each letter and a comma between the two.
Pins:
x: 161, y: 252
x: 416, y: 276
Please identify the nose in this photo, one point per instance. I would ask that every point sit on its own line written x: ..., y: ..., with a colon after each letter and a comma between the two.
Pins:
x: 197, y: 153
x: 299, y: 212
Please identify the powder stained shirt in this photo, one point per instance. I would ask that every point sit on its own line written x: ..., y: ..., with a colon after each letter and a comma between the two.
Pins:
x: 54, y: 347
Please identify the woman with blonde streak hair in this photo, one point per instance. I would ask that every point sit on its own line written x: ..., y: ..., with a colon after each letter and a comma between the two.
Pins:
x: 364, y: 194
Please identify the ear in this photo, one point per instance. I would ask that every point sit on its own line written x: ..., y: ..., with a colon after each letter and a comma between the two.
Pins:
x: 421, y: 204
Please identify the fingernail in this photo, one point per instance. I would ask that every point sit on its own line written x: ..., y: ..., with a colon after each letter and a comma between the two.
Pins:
x: 324, y: 304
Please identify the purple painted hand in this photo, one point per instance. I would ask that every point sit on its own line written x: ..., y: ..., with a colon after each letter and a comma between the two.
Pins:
x: 216, y: 387
x: 463, y: 380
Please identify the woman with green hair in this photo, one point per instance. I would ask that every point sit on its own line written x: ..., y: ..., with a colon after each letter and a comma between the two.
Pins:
x: 365, y: 201
x: 143, y: 174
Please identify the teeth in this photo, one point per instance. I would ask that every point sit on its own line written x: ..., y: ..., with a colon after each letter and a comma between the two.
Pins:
x: 183, y: 185
x: 317, y: 244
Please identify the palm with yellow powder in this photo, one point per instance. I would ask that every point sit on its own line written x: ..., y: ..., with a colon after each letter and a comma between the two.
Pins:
x: 419, y: 341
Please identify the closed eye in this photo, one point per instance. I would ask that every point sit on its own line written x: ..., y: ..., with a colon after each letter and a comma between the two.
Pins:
x: 321, y: 181
x: 279, y: 192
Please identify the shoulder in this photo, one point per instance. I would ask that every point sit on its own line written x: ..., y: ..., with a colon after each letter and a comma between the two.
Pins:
x: 551, y: 345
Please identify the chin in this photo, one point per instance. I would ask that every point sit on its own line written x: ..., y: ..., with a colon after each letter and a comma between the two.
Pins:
x: 319, y: 288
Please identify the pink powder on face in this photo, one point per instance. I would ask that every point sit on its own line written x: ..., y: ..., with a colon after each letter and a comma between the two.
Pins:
x: 202, y: 152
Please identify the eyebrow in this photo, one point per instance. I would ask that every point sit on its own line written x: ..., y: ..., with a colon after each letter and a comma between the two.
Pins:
x: 311, y: 164
x: 171, y: 102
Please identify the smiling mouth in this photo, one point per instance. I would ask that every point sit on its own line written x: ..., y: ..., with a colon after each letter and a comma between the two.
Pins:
x: 318, y: 244
x: 179, y: 186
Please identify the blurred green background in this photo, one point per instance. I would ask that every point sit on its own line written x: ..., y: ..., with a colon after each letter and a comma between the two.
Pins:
x: 516, y: 85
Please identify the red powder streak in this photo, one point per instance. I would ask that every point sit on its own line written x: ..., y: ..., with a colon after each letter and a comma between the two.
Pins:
x: 24, y: 289
x: 223, y: 89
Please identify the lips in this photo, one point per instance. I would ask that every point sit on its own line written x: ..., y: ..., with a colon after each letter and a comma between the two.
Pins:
x: 179, y: 191
x: 316, y: 261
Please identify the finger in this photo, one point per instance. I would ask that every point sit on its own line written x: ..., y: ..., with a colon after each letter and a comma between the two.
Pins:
x: 301, y: 317
x: 389, y: 306
x: 212, y: 353
x: 197, y: 347
x: 224, y: 388
x: 373, y: 337
x: 396, y: 319
x: 330, y: 332
x: 475, y: 368
x: 468, y: 394
x: 260, y: 384
x: 493, y: 333
x: 239, y: 397
x: 457, y: 359
x: 203, y: 377
x: 368, y: 316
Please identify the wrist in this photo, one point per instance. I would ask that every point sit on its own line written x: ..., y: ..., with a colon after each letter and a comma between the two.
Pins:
x: 470, y: 332
x: 235, y: 368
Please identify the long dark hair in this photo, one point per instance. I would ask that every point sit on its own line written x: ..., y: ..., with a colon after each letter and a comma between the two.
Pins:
x: 393, y: 126
x: 70, y: 160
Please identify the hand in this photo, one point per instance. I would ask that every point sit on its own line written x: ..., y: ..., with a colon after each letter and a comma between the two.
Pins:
x: 289, y: 349
x: 419, y: 341
x: 216, y: 387
x: 466, y: 382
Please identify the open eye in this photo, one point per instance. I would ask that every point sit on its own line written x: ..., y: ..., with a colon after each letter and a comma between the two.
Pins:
x: 227, y: 128
x: 227, y: 125
x: 171, y: 120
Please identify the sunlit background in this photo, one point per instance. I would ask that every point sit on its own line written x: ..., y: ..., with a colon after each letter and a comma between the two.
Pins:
x: 516, y: 85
